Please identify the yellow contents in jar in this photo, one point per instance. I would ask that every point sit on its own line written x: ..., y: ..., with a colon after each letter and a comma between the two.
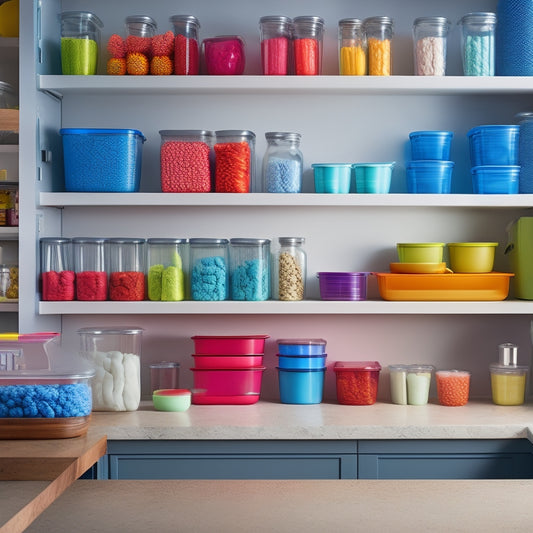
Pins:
x: 352, y: 61
x: 379, y: 57
x: 508, y: 389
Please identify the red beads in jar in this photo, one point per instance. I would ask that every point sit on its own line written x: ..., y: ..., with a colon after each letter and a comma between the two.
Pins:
x: 186, y: 49
x: 224, y: 55
x: 275, y: 45
x: 234, y: 160
x: 127, y: 269
x: 57, y: 274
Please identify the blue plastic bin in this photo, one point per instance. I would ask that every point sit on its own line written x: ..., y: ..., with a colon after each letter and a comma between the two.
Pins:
x: 429, y: 177
x: 431, y: 144
x: 102, y: 160
x: 301, y: 386
x: 301, y: 362
x: 502, y: 179
x: 494, y: 145
x: 301, y: 346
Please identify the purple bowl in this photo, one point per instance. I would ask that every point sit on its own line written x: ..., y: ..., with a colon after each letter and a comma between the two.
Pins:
x: 342, y: 285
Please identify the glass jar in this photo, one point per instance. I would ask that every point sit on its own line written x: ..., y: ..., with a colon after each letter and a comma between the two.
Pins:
x: 379, y: 31
x: 477, y: 43
x: 282, y: 163
x: 249, y: 269
x: 80, y: 40
x: 115, y: 354
x: 5, y: 280
x: 186, y: 157
x: 126, y: 269
x: 289, y: 269
x: 308, y: 34
x: 430, y: 35
x: 224, y: 55
x: 209, y: 269
x: 139, y: 29
x: 90, y: 268
x: 57, y: 272
x: 186, y: 47
x: 167, y: 262
x: 275, y: 35
x: 352, y: 47
x: 234, y: 160
x: 508, y: 379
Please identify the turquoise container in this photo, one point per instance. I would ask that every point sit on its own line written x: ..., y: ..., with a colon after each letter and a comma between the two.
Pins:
x: 301, y: 386
x: 332, y: 177
x: 302, y: 362
x: 373, y: 177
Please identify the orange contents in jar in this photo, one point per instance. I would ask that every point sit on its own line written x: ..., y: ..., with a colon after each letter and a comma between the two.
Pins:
x: 379, y: 57
x: 452, y: 387
x: 357, y: 385
x: 232, y: 173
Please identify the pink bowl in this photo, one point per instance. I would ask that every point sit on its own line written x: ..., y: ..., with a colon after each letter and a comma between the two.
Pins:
x: 227, y: 361
x: 229, y: 344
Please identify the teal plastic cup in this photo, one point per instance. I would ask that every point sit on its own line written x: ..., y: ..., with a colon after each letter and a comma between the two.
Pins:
x: 373, y: 177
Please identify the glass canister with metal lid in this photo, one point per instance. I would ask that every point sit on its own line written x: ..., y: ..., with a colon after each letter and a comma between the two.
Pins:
x: 168, y: 261
x: 90, y: 268
x: 308, y: 34
x: 379, y: 31
x: 57, y: 272
x: 282, y: 163
x: 209, y: 269
x: 478, y: 43
x: 186, y: 45
x: 430, y: 36
x: 508, y: 379
x: 140, y: 29
x: 275, y: 45
x: 352, y: 47
x: 289, y: 269
x: 126, y: 269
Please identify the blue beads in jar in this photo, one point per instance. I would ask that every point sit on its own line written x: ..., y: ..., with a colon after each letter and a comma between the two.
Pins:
x: 282, y: 163
x: 209, y: 269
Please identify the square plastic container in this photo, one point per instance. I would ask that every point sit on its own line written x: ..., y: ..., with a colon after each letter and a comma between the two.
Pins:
x: 420, y: 252
x: 431, y: 145
x: 332, y: 178
x: 301, y: 362
x: 429, y: 177
x: 301, y: 346
x: 102, y: 160
x: 496, y: 179
x: 472, y: 257
x: 357, y: 382
x: 373, y: 177
x: 229, y: 344
x: 301, y: 386
x: 494, y: 145
x: 342, y: 285
x: 228, y: 386
x: 227, y: 361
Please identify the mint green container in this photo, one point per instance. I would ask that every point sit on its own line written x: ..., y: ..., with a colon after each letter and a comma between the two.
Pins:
x: 373, y: 177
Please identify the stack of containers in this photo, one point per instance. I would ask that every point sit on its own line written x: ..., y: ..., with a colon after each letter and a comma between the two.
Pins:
x: 301, y: 370
x: 227, y: 369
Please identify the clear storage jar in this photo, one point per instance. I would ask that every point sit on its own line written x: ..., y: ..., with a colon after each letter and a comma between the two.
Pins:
x: 290, y: 269
x: 139, y: 32
x: 275, y: 35
x: 224, y: 55
x: 80, y: 41
x: 126, y: 269
x: 115, y: 354
x: 90, y: 268
x: 379, y: 32
x: 478, y: 43
x: 508, y: 379
x: 282, y: 163
x: 5, y: 280
x: 429, y: 37
x: 234, y: 160
x: 186, y: 160
x: 308, y: 35
x: 209, y: 269
x: 57, y: 272
x: 352, y: 47
x: 186, y: 45
x: 167, y: 264
x: 249, y: 261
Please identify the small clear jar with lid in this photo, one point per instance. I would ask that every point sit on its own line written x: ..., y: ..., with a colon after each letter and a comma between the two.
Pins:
x: 234, y: 160
x: 275, y: 45
x: 379, y: 32
x: 167, y: 264
x: 140, y: 29
x: 430, y: 36
x: 508, y: 379
x: 57, y: 271
x: 90, y: 268
x: 478, y: 44
x: 249, y: 269
x: 352, y: 47
x: 209, y: 269
x: 126, y: 269
x: 282, y: 163
x: 308, y: 35
x: 186, y: 45
x: 289, y: 269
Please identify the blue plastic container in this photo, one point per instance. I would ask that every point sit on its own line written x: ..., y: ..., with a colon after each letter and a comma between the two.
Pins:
x: 373, y: 177
x: 301, y: 362
x: 301, y: 386
x: 102, y: 160
x: 332, y: 177
x: 496, y: 179
x: 494, y: 145
x: 301, y: 346
x: 432, y: 144
x: 429, y: 177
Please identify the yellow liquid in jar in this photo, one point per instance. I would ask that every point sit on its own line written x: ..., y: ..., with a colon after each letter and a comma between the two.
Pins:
x: 508, y: 389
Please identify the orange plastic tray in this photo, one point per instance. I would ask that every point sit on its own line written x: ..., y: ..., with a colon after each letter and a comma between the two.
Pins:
x: 444, y: 287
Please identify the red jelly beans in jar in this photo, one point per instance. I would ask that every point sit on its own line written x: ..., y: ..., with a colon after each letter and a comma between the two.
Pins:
x: 90, y: 268
x: 186, y: 49
x: 127, y: 269
x: 275, y: 45
x: 57, y: 273
x: 224, y: 55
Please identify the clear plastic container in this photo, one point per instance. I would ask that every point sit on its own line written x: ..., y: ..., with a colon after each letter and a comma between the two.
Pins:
x: 379, y: 32
x: 115, y: 354
x: 8, y: 96
x: 167, y: 262
x: 398, y: 384
x: 429, y: 36
x: 478, y: 44
x: 352, y: 48
x: 80, y: 41
x: 308, y: 34
x: 282, y: 163
x: 186, y: 160
x: 224, y: 55
x: 5, y: 280
x: 57, y: 269
x: 186, y: 45
x: 234, y: 160
x: 357, y: 382
x: 209, y: 269
x: 139, y: 32
x: 275, y: 34
x: 418, y: 383
x: 453, y: 387
x: 249, y: 269
x: 289, y: 269
x: 508, y: 379
x: 126, y: 269
x: 164, y: 375
x: 90, y: 268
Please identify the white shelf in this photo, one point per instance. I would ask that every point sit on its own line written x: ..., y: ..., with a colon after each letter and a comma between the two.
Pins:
x: 9, y: 306
x: 9, y: 233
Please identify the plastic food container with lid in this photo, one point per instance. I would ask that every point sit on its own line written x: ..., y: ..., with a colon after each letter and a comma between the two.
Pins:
x: 429, y: 176
x: 342, y: 285
x: 301, y: 346
x: 301, y: 386
x: 357, y: 382
x: 453, y: 387
x: 332, y: 178
x: 478, y: 43
x: 224, y: 55
x: 290, y: 269
x: 429, y: 36
x: 282, y: 163
x: 496, y: 179
x: 494, y: 144
x: 301, y: 362
x: 508, y: 379
x: 140, y: 30
x: 229, y: 344
x: 431, y: 144
x: 472, y: 257
x: 420, y: 252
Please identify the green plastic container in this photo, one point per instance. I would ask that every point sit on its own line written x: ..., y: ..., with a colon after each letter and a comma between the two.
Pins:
x: 520, y: 252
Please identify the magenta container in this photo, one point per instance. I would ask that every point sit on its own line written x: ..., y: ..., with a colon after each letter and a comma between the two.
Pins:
x: 227, y: 361
x: 224, y: 55
x: 229, y: 344
x: 342, y: 285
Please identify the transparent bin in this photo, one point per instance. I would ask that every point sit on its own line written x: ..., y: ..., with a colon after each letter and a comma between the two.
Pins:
x: 209, y: 269
x: 168, y: 264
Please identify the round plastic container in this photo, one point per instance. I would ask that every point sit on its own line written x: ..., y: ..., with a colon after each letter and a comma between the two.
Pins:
x: 494, y: 144
x: 167, y: 269
x: 186, y: 45
x: 379, y: 31
x: 398, y: 384
x: 508, y: 383
x: 472, y: 257
x: 209, y: 269
x: 496, y: 179
x: 289, y: 269
x: 429, y: 177
x: 418, y: 379
x: 9, y: 18
x: 80, y: 40
x: 176, y: 400
x: 164, y: 375
x: 227, y: 361
x: 431, y: 145
x: 308, y: 33
x: 478, y: 43
x: 373, y: 178
x: 342, y: 285
x: 332, y: 178
x: 57, y: 269
x: 275, y: 35
x: 357, y: 382
x: 301, y: 362
x: 234, y: 160
x: 352, y: 47
x: 90, y: 268
x: 453, y: 387
x: 282, y: 163
x: 429, y: 36
x: 301, y: 346
x: 420, y: 252
x: 229, y: 344
x: 126, y: 269
x: 301, y: 386
x: 224, y: 55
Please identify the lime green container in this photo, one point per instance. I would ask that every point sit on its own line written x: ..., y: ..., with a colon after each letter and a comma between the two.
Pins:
x: 520, y: 252
x: 472, y: 257
x: 420, y: 252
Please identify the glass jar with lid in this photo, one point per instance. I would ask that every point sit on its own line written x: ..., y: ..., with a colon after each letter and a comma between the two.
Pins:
x: 126, y: 269
x: 429, y: 36
x: 477, y: 44
x: 139, y: 29
x: 352, y: 47
x: 308, y: 34
x: 186, y: 45
x: 90, y: 268
x: 282, y: 163
x: 209, y: 269
x: 379, y: 31
x: 57, y: 272
x: 289, y: 269
x: 234, y: 160
x: 275, y: 45
x: 167, y: 262
x: 249, y: 269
